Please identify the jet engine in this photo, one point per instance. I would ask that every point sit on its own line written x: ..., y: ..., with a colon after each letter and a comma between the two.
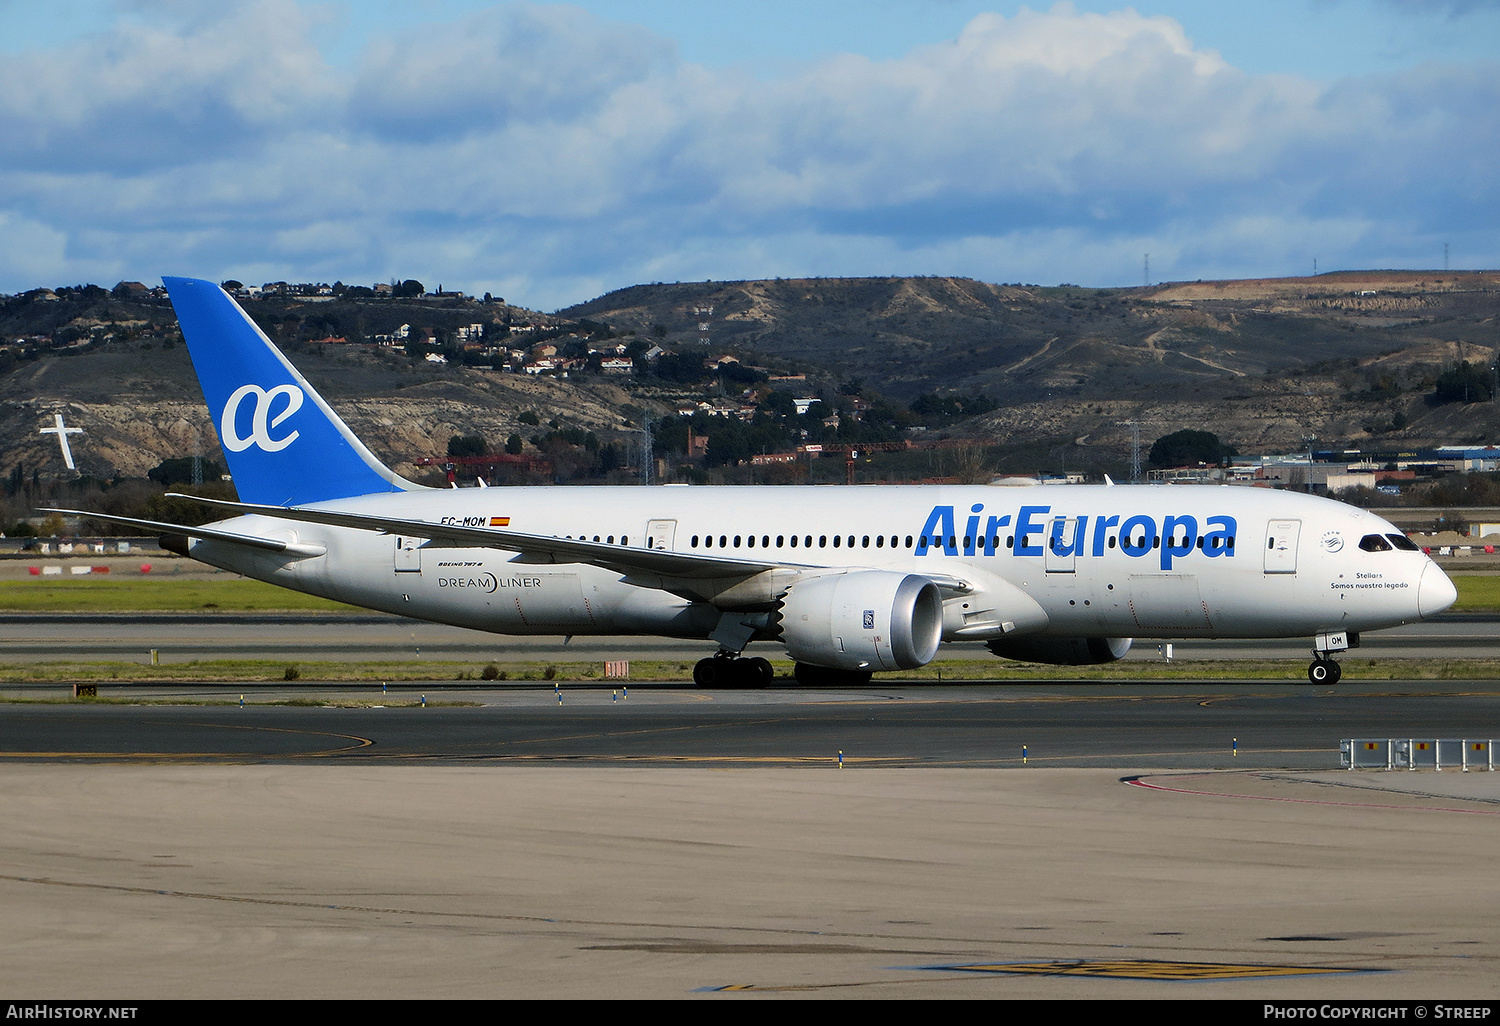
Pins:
x: 863, y: 620
x: 1062, y: 651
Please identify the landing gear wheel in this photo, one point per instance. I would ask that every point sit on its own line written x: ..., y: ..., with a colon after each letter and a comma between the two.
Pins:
x: 758, y: 672
x: 722, y: 671
x: 827, y: 677
x: 713, y: 672
x: 1324, y: 671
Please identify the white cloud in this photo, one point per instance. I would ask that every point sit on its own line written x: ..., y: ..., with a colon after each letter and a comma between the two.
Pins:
x: 33, y: 252
x: 524, y: 63
x: 143, y: 97
x: 560, y: 155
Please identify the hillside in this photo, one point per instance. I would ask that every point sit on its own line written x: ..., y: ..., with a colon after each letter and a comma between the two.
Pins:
x: 1347, y: 358
x: 1266, y: 363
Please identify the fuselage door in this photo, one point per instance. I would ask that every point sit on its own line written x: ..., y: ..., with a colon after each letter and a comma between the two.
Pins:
x: 1281, y: 546
x: 1061, y: 548
x: 408, y: 555
x: 661, y: 534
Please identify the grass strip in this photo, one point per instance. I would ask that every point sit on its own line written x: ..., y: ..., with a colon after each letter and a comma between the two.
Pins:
x: 1477, y: 593
x: 97, y: 595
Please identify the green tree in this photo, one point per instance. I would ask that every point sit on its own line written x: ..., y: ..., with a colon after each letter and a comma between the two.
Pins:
x: 179, y: 470
x: 467, y: 445
x: 1466, y: 383
x: 683, y: 368
x: 1185, y: 447
x: 780, y: 404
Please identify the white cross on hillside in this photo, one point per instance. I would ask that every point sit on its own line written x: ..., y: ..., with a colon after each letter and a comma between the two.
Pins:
x: 62, y: 434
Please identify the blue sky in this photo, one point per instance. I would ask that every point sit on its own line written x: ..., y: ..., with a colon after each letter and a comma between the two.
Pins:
x: 548, y: 152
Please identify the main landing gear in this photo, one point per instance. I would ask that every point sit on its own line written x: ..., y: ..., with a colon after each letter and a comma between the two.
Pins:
x: 726, y: 671
x: 828, y: 677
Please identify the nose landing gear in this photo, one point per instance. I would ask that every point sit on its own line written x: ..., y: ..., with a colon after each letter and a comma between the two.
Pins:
x: 1324, y: 671
x: 1324, y: 668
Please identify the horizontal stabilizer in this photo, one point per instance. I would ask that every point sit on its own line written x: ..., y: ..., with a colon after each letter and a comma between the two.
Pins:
x: 158, y: 527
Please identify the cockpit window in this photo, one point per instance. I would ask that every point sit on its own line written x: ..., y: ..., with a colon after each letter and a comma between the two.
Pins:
x: 1374, y: 543
x: 1404, y: 543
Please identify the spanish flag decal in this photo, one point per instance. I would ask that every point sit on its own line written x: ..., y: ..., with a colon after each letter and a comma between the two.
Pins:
x: 499, y: 521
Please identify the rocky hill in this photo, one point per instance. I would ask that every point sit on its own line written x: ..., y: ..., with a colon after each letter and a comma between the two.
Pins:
x: 1348, y: 358
x: 142, y: 406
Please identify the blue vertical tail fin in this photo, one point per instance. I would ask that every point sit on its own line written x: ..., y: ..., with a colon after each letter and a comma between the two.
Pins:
x: 285, y: 446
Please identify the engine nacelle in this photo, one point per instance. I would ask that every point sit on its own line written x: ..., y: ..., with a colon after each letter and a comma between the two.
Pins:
x: 863, y: 620
x: 1062, y: 651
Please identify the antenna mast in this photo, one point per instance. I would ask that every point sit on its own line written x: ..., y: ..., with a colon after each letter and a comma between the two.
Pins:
x: 648, y: 457
x: 1135, y: 449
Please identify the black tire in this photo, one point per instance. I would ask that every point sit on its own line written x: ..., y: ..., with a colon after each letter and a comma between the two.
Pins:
x: 1320, y: 672
x: 1336, y: 672
x: 711, y: 672
x: 828, y: 677
x: 809, y: 675
x: 759, y: 672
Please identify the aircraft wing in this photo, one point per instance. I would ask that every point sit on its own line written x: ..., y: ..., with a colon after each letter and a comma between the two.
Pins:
x: 535, y: 547
x: 680, y: 566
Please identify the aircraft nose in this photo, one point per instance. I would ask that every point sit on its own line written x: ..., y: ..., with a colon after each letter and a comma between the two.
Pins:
x: 1435, y: 592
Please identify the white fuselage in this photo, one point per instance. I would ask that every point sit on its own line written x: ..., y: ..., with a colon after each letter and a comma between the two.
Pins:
x: 1098, y: 561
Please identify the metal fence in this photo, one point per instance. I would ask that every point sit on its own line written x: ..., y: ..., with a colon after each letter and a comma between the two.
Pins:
x: 1461, y: 754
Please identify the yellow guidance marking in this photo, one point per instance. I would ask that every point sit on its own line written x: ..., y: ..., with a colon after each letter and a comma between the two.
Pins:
x: 356, y: 743
x: 1144, y: 969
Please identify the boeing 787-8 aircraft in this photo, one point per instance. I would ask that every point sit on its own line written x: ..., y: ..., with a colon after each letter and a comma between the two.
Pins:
x: 849, y: 580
